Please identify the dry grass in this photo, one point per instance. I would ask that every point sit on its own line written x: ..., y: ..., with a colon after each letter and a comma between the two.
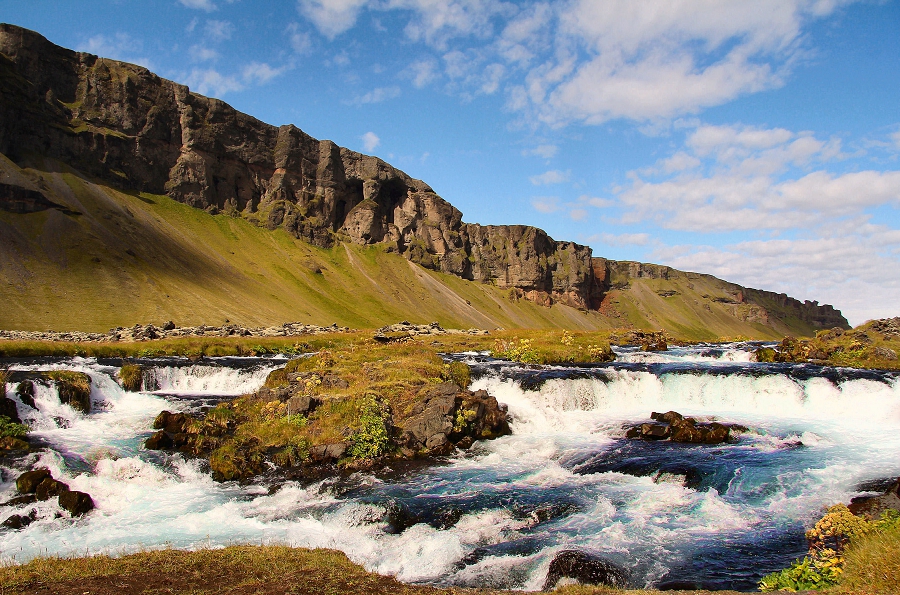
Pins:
x: 872, y: 564
x: 236, y: 569
x: 268, y: 570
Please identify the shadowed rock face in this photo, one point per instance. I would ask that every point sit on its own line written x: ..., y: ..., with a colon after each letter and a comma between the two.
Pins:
x: 132, y: 129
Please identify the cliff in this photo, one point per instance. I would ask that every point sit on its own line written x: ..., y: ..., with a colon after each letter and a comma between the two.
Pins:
x: 120, y: 126
x: 128, y: 127
x: 658, y: 296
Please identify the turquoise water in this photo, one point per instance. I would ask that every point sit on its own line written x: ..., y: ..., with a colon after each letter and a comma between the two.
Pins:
x: 671, y: 514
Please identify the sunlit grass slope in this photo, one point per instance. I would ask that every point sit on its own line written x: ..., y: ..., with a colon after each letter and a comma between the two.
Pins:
x: 131, y: 258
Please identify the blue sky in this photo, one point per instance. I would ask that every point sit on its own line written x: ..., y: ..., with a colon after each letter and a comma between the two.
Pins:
x: 756, y: 141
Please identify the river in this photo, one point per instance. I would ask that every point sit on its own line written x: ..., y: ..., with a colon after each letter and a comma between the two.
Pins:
x: 717, y: 516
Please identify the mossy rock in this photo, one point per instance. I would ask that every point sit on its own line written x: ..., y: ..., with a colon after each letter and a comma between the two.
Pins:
x: 74, y: 389
x: 230, y: 462
x: 131, y: 377
x: 765, y: 355
x: 12, y: 443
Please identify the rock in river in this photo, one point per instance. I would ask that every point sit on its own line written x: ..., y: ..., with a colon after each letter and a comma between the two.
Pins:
x: 585, y: 568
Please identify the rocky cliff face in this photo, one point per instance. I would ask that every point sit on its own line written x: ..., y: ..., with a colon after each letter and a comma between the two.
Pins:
x: 747, y: 304
x: 127, y: 126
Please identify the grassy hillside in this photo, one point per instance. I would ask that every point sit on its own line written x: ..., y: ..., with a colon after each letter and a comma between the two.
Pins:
x: 130, y: 258
x: 697, y: 307
x: 109, y: 258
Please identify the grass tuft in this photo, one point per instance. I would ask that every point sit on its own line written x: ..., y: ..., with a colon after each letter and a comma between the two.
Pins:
x: 131, y: 377
x: 872, y: 564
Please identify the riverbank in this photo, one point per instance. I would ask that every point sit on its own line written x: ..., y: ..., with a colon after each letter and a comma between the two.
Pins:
x: 873, y: 345
x: 263, y: 570
x: 280, y: 570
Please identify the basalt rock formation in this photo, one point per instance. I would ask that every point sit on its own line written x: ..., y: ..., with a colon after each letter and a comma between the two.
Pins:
x: 134, y: 130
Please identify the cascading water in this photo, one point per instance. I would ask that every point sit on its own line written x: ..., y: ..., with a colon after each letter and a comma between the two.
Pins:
x: 672, y: 514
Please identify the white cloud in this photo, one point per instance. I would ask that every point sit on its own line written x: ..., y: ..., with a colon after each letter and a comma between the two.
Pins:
x: 680, y: 161
x: 848, y: 269
x: 706, y: 139
x: 737, y: 178
x: 546, y: 204
x: 589, y: 61
x: 211, y: 82
x: 120, y: 46
x: 201, y: 53
x: 370, y: 141
x: 554, y: 176
x: 895, y: 138
x: 218, y: 30
x: 259, y: 73
x: 331, y: 17
x: 578, y: 214
x: 547, y: 151
x: 422, y: 72
x: 377, y: 95
x: 299, y: 40
x: 796, y: 223
x: 526, y: 34
x: 624, y: 239
x: 206, y: 5
x: 436, y: 22
x: 645, y: 61
x: 594, y: 201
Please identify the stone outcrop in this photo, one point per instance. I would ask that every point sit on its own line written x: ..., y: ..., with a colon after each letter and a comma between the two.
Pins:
x: 149, y: 332
x: 73, y: 388
x: 404, y: 330
x: 584, y: 568
x: 132, y: 129
x: 447, y: 417
x: 677, y: 428
x: 872, y: 507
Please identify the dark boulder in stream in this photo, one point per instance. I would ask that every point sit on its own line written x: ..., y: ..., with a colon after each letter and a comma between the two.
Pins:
x: 8, y: 409
x: 76, y: 503
x: 677, y: 428
x: 28, y: 482
x: 449, y: 417
x: 39, y: 484
x: 172, y: 431
x: 585, y: 568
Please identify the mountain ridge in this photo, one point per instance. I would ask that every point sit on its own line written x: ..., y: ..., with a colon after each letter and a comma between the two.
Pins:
x: 136, y: 132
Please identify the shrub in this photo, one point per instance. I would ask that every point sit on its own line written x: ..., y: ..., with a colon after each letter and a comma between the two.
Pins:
x: 810, y: 573
x: 459, y: 374
x: 10, y: 429
x: 370, y: 439
x: 516, y: 350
